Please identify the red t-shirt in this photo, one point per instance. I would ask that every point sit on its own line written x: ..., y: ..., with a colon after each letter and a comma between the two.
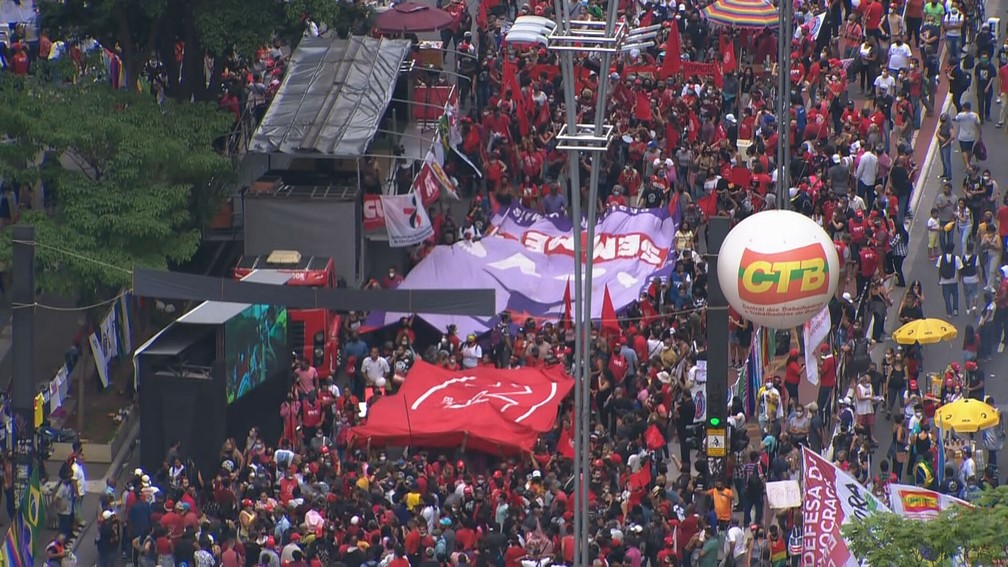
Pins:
x: 827, y: 372
x: 869, y: 262
x: 873, y: 14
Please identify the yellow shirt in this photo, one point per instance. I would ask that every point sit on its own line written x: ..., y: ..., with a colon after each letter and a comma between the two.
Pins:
x: 412, y: 500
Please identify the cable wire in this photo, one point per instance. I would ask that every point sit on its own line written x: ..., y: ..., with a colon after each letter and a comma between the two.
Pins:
x: 74, y: 255
x: 69, y: 309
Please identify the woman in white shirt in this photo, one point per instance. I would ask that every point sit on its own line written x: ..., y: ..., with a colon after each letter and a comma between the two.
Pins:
x: 472, y: 352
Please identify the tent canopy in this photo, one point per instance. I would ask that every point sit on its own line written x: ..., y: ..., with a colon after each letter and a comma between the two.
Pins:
x: 333, y: 97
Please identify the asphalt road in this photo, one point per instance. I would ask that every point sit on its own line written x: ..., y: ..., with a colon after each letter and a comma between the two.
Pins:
x: 918, y: 266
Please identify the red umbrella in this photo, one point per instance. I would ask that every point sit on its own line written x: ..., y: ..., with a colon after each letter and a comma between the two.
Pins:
x: 412, y: 17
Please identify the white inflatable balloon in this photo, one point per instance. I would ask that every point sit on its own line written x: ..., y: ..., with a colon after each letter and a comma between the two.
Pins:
x: 778, y: 269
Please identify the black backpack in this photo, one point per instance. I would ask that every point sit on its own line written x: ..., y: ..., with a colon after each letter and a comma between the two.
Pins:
x: 860, y: 358
x: 946, y: 268
x: 969, y: 268
x: 754, y: 484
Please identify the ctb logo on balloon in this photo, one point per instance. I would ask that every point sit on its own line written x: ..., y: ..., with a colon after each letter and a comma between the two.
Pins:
x: 778, y: 268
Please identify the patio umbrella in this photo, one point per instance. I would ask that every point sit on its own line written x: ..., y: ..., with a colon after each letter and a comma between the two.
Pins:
x: 412, y: 17
x: 925, y: 332
x: 742, y: 13
x: 966, y: 415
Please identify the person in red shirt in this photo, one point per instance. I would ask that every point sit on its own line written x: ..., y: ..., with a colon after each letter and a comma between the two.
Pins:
x: 173, y: 520
x: 514, y: 553
x: 616, y: 198
x: 19, y: 62
x: 827, y: 380
x: 868, y: 266
x: 792, y: 374
x: 872, y: 13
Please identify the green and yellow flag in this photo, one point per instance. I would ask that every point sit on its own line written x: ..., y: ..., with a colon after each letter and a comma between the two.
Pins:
x: 19, y: 546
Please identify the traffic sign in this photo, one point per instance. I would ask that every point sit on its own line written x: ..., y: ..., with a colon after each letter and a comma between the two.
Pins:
x: 717, y: 442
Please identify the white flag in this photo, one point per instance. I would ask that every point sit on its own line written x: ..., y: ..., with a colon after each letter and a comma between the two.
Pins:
x: 815, y: 330
x: 101, y: 360
x: 406, y: 220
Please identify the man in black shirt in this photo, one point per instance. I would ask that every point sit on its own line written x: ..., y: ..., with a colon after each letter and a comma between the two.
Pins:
x: 986, y: 76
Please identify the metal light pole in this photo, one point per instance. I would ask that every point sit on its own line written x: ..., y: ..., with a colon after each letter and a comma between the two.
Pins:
x: 785, y: 26
x: 604, y: 39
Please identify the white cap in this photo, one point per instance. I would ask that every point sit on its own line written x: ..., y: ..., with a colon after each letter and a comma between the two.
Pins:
x: 138, y: 472
x: 847, y: 296
x: 731, y: 118
x: 836, y: 158
x: 107, y: 514
x: 1004, y: 271
x: 355, y: 520
x: 664, y: 377
x: 536, y: 474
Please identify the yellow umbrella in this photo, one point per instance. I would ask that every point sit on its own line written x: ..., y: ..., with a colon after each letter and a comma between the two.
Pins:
x: 925, y: 332
x: 966, y: 415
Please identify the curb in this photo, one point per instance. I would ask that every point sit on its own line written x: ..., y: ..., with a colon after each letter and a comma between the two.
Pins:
x: 115, y: 467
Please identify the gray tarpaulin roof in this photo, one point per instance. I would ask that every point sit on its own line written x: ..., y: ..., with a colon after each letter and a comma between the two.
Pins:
x: 333, y: 97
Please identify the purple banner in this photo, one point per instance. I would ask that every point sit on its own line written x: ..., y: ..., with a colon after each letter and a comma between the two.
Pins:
x: 528, y: 259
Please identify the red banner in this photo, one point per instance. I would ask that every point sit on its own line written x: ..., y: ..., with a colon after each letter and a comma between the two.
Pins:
x: 426, y: 185
x: 374, y: 215
x: 484, y: 409
x: 430, y: 102
x: 690, y: 68
x: 832, y: 498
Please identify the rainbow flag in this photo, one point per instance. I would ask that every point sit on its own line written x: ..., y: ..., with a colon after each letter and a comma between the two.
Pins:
x: 755, y: 366
x: 18, y: 548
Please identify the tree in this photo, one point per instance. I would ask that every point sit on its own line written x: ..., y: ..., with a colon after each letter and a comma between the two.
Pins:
x: 139, y: 29
x: 133, y: 181
x: 978, y: 532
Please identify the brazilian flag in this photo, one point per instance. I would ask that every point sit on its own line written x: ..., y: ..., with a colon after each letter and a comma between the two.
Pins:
x: 19, y: 546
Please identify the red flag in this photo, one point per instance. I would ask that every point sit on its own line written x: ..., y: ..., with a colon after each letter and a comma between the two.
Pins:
x: 567, y: 312
x: 426, y: 185
x: 673, y: 53
x: 481, y: 16
x: 565, y: 444
x: 510, y: 82
x: 728, y: 62
x: 708, y: 205
x: 642, y: 108
x: 610, y: 324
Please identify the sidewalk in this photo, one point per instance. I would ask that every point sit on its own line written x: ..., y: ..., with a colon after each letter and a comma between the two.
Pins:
x: 84, y: 544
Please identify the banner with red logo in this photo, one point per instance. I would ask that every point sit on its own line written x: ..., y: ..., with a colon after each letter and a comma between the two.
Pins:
x: 832, y: 499
x: 920, y: 503
x: 374, y: 216
x: 406, y: 220
x: 426, y: 185
x: 486, y: 409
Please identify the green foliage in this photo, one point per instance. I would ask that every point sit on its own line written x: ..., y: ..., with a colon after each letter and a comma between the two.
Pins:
x: 126, y: 174
x: 139, y: 27
x: 887, y: 539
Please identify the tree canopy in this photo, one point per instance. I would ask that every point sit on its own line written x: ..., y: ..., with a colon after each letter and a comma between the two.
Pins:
x: 132, y: 182
x: 140, y: 29
x: 979, y: 533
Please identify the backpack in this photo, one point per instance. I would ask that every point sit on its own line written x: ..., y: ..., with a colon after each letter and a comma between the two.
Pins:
x: 754, y: 484
x: 969, y: 268
x: 946, y: 268
x: 440, y: 549
x: 860, y: 359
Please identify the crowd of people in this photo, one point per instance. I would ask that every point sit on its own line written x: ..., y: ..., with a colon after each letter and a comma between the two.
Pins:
x: 698, y: 146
